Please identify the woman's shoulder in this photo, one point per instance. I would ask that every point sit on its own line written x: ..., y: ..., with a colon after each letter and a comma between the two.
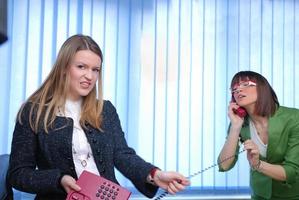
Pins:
x: 110, y: 116
x: 25, y: 108
x: 28, y: 109
x: 25, y: 113
x: 108, y: 108
x: 107, y: 105
x: 286, y: 115
x: 283, y: 110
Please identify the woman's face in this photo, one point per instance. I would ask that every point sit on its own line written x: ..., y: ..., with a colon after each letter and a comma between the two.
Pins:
x: 245, y: 93
x: 83, y: 72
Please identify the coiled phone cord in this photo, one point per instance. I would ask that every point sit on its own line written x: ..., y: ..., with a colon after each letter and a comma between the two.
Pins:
x: 201, y: 171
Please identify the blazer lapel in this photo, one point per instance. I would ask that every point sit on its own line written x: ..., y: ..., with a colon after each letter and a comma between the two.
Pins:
x: 275, y: 131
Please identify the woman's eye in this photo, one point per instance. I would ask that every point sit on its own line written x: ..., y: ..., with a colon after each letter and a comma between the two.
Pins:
x: 96, y: 69
x: 245, y: 84
x: 234, y: 90
x: 80, y: 66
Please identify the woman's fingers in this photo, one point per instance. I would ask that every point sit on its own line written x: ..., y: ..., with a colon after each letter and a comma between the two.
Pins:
x: 69, y: 183
x: 175, y: 187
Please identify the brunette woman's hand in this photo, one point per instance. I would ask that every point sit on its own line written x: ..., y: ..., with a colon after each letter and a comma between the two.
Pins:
x: 253, y: 154
x: 69, y: 183
x: 236, y: 121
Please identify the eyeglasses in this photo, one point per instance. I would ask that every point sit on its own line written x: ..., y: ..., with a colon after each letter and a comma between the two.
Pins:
x: 242, y: 85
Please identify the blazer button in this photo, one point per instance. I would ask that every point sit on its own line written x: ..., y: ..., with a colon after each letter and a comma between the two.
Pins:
x: 89, y: 131
x: 102, y: 170
x: 71, y: 168
x: 94, y: 140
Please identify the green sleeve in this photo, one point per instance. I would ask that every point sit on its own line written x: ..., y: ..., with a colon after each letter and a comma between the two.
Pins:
x: 235, y: 159
x: 291, y: 163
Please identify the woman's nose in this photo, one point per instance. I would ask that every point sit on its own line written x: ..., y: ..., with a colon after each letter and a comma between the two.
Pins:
x: 238, y: 90
x: 88, y: 74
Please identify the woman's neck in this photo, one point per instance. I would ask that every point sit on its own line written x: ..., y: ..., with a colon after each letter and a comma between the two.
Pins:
x: 72, y: 100
x: 259, y: 120
x: 253, y: 116
x: 73, y: 106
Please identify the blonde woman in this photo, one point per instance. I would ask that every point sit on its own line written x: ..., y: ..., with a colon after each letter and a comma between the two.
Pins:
x: 66, y: 127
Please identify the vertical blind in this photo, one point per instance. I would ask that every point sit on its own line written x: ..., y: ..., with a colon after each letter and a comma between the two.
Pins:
x: 167, y: 68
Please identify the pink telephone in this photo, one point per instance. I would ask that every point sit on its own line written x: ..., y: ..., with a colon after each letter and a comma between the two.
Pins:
x: 241, y: 112
x: 94, y: 187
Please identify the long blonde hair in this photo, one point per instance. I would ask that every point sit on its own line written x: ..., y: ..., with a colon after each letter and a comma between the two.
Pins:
x: 51, y: 95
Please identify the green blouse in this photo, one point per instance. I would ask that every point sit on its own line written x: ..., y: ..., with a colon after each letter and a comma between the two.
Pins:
x: 283, y: 149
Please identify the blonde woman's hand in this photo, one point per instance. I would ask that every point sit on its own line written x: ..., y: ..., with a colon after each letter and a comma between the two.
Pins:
x: 172, y: 182
x: 69, y: 183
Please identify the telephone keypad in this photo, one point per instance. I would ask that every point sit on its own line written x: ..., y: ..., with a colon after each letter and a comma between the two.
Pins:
x: 107, y: 191
x: 94, y: 187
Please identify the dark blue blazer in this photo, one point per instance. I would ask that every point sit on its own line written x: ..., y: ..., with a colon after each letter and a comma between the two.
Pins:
x: 38, y: 161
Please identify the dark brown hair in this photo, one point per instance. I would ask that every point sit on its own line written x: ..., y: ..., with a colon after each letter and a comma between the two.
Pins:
x: 267, y: 101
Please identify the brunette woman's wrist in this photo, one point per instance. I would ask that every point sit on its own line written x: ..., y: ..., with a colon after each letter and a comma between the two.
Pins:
x: 257, y: 166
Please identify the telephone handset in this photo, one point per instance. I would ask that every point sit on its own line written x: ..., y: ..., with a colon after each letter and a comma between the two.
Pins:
x: 241, y: 112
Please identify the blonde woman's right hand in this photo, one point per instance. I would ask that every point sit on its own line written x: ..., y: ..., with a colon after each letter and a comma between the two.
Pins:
x: 69, y: 183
